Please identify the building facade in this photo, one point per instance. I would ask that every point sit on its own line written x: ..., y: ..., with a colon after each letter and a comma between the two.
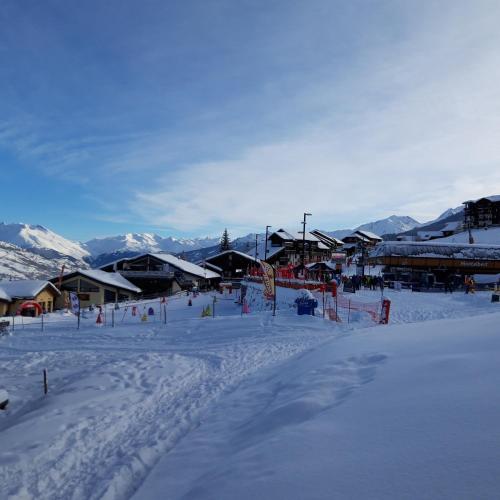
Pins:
x: 483, y: 212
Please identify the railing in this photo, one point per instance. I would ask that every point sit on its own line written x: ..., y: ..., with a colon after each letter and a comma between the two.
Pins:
x: 147, y: 274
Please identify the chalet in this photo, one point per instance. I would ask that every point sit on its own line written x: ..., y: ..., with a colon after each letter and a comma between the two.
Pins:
x: 162, y: 273
x: 231, y: 264
x: 483, y: 212
x: 27, y: 297
x: 95, y: 287
x: 286, y: 247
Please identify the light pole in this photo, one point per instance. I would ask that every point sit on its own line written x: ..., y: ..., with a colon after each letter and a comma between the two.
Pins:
x: 304, y: 244
x: 265, y: 244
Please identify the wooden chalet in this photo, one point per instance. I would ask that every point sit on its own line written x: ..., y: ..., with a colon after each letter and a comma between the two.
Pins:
x: 286, y: 248
x: 162, y: 273
x: 231, y: 264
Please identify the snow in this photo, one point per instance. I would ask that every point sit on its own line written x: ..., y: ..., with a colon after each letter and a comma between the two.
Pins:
x: 241, y: 254
x: 146, y: 242
x: 29, y: 236
x: 437, y: 248
x: 368, y: 234
x: 113, y: 279
x: 25, y: 289
x: 187, y: 267
x: 255, y: 406
x: 481, y: 236
x: 4, y: 295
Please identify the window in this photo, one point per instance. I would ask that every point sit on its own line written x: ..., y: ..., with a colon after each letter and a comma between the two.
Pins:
x: 87, y: 286
x: 70, y: 286
x: 109, y: 296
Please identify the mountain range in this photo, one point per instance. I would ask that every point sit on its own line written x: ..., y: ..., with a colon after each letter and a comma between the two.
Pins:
x: 33, y: 251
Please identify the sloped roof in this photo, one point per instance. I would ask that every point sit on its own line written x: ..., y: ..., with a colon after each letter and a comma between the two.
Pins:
x: 4, y: 295
x: 326, y: 238
x: 185, y: 266
x: 112, y: 279
x: 368, y: 234
x: 182, y: 265
x: 25, y: 289
x: 244, y: 255
x: 436, y: 249
x: 493, y: 199
x: 294, y: 235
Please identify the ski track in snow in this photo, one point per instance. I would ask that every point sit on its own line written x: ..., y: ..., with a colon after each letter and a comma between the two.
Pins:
x: 121, y: 398
x: 109, y: 447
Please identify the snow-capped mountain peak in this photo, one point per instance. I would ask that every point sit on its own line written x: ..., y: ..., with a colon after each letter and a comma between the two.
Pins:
x: 390, y: 225
x: 36, y: 237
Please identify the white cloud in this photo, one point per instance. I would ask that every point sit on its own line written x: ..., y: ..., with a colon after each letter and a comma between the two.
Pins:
x: 417, y: 133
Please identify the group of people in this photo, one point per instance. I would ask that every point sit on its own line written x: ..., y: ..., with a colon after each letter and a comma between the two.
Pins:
x: 370, y: 282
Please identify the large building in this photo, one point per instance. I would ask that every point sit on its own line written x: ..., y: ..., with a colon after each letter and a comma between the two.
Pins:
x: 419, y: 261
x: 162, y: 273
x: 287, y: 248
x: 483, y: 212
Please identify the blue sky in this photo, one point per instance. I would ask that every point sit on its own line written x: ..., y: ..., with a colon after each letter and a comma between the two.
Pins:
x: 187, y: 117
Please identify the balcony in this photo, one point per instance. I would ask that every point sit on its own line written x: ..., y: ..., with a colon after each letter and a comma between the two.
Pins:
x: 147, y: 274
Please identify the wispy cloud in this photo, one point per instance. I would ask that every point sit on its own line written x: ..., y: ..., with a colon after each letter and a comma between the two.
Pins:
x: 417, y: 132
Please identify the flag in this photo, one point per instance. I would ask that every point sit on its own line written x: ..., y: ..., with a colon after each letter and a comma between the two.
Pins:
x: 268, y: 280
x: 75, y: 302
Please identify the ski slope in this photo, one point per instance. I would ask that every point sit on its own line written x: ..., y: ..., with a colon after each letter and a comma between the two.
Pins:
x: 249, y: 406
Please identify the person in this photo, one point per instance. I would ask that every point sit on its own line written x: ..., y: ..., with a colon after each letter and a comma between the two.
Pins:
x: 447, y: 285
x: 467, y: 284
x: 472, y: 284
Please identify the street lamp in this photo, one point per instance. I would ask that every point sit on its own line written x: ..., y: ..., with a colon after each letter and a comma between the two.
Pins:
x: 304, y: 244
x: 265, y: 244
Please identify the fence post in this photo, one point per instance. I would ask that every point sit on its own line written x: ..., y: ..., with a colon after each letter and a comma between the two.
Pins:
x: 112, y: 318
x: 45, y: 381
x: 349, y: 312
x: 42, y: 322
x: 13, y: 322
x: 213, y: 308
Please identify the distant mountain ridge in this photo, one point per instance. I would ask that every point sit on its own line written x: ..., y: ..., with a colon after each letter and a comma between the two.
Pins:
x: 146, y: 242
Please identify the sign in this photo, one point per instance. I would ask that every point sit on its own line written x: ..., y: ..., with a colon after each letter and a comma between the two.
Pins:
x: 74, y: 302
x: 268, y: 280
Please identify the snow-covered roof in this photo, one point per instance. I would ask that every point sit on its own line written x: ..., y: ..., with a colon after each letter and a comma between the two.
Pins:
x: 4, y: 295
x: 294, y: 235
x: 185, y: 266
x: 452, y: 226
x: 244, y: 255
x: 182, y: 265
x: 325, y: 237
x: 25, y: 289
x: 493, y: 199
x: 112, y: 279
x: 436, y: 249
x: 368, y: 234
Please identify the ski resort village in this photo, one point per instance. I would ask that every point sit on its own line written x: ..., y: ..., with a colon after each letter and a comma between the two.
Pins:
x: 292, y: 363
x: 249, y: 250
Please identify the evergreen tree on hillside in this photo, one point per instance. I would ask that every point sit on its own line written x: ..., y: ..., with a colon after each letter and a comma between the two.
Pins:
x: 225, y: 242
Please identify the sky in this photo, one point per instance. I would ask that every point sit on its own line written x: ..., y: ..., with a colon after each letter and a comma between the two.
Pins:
x: 183, y: 118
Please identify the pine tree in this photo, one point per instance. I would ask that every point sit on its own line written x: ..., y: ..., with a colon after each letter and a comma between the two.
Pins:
x: 225, y: 242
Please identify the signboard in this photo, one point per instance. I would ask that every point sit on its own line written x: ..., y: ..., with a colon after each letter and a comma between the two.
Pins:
x: 268, y: 280
x: 74, y: 302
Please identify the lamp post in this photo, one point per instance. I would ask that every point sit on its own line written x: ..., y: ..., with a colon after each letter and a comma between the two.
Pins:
x: 265, y: 244
x: 304, y: 244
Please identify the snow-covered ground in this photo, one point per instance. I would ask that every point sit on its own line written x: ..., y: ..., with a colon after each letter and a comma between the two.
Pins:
x: 255, y: 406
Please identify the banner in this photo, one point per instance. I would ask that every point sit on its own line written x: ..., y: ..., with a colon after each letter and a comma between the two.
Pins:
x: 268, y: 280
x: 75, y: 302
